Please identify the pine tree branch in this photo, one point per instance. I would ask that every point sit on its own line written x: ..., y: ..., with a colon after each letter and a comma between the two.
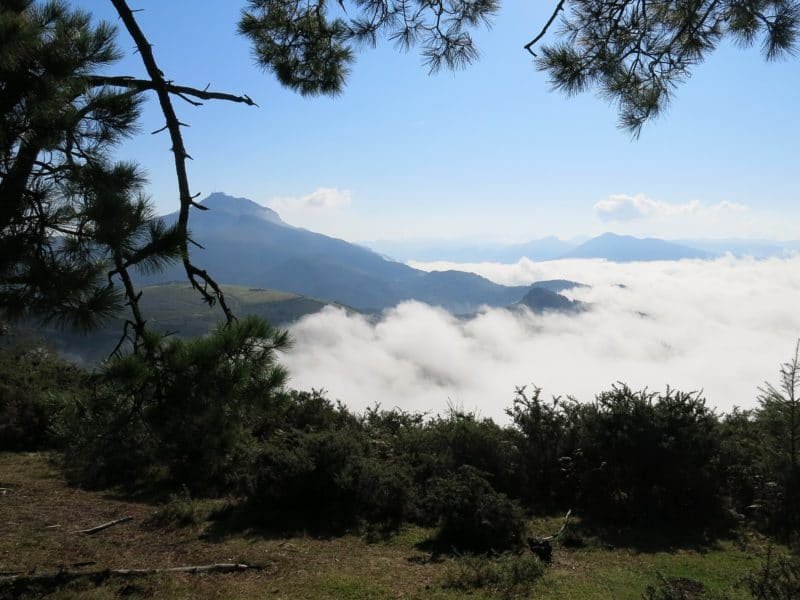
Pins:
x: 199, y: 278
x: 529, y: 46
x: 133, y: 297
x: 179, y: 90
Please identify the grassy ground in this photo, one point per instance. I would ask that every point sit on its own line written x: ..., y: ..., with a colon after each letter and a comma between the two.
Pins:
x: 39, y: 514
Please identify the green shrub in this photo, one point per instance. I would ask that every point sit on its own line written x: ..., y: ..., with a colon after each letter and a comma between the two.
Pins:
x: 308, y: 476
x: 436, y: 448
x: 329, y: 477
x: 649, y: 457
x: 778, y: 463
x: 549, y: 439
x: 472, y: 516
x: 35, y: 386
x: 184, y: 412
x: 509, y: 575
x: 778, y: 578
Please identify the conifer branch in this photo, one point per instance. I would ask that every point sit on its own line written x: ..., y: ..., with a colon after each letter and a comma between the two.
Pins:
x: 199, y: 278
x: 179, y: 90
x: 529, y: 46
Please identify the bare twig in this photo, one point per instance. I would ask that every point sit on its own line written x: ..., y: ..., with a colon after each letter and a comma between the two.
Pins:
x: 179, y: 90
x: 529, y: 46
x: 93, y: 530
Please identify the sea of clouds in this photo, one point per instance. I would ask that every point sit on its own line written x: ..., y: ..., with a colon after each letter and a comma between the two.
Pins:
x: 723, y: 326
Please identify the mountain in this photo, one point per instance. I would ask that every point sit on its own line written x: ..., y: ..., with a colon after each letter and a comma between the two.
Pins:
x: 250, y: 245
x: 557, y: 285
x: 539, y: 299
x: 233, y: 209
x: 469, y: 251
x: 758, y: 249
x: 553, y: 248
x: 626, y: 248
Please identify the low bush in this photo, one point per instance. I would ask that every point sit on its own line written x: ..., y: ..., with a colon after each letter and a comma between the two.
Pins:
x: 778, y: 578
x: 651, y: 458
x: 761, y: 455
x: 35, y: 386
x: 317, y: 465
x: 472, y: 516
x: 549, y: 437
x: 444, y: 444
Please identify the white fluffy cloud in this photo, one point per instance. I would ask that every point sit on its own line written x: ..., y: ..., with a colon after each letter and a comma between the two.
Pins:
x: 321, y: 198
x: 723, y: 326
x: 622, y: 207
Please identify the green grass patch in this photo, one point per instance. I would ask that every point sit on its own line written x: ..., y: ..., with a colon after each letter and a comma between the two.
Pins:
x: 507, y: 575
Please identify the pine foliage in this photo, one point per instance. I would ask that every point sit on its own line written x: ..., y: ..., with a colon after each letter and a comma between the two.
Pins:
x: 635, y: 52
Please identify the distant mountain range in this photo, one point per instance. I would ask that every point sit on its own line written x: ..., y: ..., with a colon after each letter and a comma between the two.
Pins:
x: 547, y: 248
x: 247, y: 244
x: 758, y: 249
x: 608, y: 246
x: 626, y: 248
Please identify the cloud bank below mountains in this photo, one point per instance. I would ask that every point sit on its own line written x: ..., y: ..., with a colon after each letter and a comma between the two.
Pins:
x: 723, y: 326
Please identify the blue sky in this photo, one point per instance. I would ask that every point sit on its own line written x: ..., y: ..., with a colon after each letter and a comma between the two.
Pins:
x: 487, y: 153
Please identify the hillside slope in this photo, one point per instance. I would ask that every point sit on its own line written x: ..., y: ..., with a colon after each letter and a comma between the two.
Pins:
x: 248, y: 244
x: 178, y: 309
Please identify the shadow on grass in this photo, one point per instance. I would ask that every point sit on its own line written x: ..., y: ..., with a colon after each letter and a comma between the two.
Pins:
x: 243, y: 520
x: 649, y: 539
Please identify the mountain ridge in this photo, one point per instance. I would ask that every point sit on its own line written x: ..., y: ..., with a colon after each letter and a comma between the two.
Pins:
x: 239, y: 249
x: 627, y: 248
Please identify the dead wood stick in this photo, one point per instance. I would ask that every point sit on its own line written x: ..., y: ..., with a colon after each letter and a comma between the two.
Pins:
x: 561, y: 530
x: 215, y: 568
x: 93, y: 530
x: 65, y: 576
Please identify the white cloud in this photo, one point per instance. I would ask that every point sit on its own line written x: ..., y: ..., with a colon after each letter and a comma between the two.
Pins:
x: 622, y: 207
x: 320, y: 199
x: 723, y: 326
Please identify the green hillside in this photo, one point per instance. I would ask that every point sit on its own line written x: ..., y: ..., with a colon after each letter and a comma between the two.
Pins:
x: 179, y: 310
x: 176, y: 307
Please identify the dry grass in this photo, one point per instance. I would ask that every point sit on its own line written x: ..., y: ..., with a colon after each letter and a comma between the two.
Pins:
x: 39, y: 512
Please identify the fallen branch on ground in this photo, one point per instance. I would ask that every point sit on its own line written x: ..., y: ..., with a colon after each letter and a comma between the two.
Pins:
x: 560, y: 531
x: 542, y: 546
x: 93, y: 530
x: 19, y: 583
